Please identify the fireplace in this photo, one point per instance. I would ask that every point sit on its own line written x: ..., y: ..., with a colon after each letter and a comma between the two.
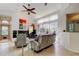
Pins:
x: 16, y: 32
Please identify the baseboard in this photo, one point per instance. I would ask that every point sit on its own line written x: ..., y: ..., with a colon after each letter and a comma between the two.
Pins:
x: 74, y: 51
x: 42, y: 49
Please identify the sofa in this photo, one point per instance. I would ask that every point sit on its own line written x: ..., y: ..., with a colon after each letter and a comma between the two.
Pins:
x: 42, y: 41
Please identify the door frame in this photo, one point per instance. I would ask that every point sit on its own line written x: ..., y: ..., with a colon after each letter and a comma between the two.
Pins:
x: 9, y: 27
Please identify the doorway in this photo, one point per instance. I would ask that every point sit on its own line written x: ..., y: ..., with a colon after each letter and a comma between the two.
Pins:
x: 5, y: 29
x: 5, y: 32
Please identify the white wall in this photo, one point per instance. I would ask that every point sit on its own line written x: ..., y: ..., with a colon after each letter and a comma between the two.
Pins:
x: 66, y: 38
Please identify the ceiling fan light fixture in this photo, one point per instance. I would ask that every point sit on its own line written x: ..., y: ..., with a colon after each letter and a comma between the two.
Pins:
x: 28, y: 13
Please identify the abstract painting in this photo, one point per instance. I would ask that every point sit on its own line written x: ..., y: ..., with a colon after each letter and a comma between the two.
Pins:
x: 22, y: 23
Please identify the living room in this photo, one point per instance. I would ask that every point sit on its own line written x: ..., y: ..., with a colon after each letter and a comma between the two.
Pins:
x: 44, y: 25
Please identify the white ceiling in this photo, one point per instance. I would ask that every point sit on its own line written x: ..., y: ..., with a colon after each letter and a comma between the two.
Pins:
x: 41, y: 9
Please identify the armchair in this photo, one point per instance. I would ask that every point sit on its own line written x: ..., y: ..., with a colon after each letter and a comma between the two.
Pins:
x: 21, y: 39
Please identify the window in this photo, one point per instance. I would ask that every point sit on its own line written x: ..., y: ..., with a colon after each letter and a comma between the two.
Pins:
x: 4, y: 30
x: 30, y: 29
x: 48, y: 24
x: 53, y: 17
x: 5, y: 22
x: 47, y: 19
x: 5, y: 25
x: 43, y: 20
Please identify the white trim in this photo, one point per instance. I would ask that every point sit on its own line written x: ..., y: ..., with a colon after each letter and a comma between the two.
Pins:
x: 75, y: 51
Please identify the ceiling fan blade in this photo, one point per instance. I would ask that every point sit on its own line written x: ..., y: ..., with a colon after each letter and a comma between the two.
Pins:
x: 32, y: 9
x: 33, y: 12
x: 25, y: 7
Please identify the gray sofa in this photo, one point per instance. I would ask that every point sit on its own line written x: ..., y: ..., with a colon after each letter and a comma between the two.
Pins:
x: 42, y: 42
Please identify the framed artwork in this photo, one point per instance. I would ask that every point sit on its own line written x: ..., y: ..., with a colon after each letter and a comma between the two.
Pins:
x: 22, y: 24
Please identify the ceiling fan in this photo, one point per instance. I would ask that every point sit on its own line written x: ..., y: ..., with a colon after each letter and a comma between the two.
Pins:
x: 28, y: 9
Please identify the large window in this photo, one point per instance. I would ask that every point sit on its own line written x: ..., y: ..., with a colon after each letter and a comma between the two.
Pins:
x: 48, y: 24
x: 4, y: 30
x: 47, y: 19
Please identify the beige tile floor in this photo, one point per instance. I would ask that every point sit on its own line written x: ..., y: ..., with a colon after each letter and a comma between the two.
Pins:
x: 7, y: 48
